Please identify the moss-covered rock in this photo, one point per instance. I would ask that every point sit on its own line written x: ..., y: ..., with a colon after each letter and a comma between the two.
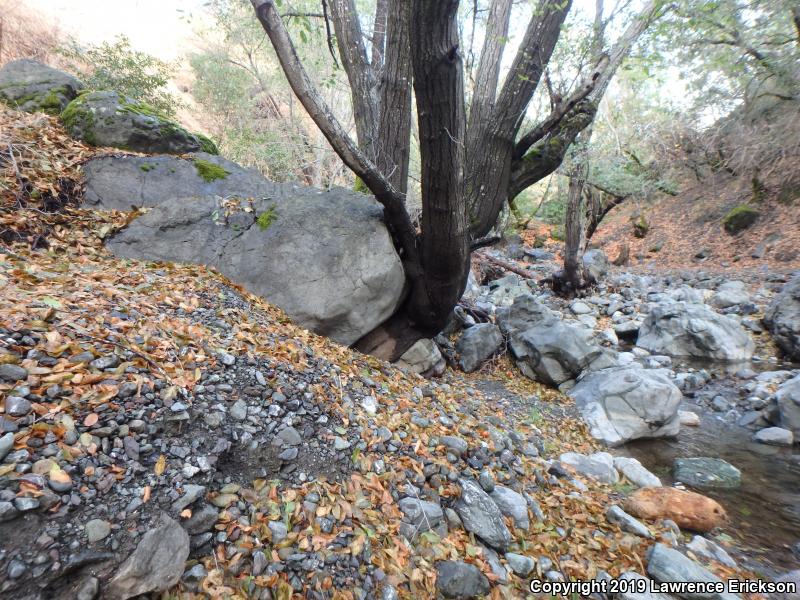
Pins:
x: 111, y: 119
x: 209, y: 171
x: 32, y: 86
x: 740, y: 218
x: 641, y: 226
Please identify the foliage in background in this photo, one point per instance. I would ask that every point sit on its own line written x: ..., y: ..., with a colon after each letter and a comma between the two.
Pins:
x: 119, y: 67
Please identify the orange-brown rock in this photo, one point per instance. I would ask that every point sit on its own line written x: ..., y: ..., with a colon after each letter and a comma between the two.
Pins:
x: 688, y: 509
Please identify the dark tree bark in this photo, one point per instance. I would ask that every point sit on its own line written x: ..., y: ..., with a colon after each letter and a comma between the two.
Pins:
x: 469, y: 168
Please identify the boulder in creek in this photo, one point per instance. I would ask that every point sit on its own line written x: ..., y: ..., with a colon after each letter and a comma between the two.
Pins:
x: 706, y: 473
x: 782, y: 318
x: 29, y: 85
x: 546, y: 348
x: 788, y: 398
x: 477, y: 344
x: 625, y: 403
x: 694, y: 330
x: 688, y: 509
x: 112, y: 119
x: 156, y: 564
x: 324, y: 257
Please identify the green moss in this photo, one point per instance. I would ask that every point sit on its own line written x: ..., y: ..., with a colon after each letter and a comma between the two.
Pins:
x: 207, y: 145
x: 79, y: 120
x: 740, y: 218
x: 147, y: 167
x: 360, y: 186
x: 266, y: 218
x: 209, y: 171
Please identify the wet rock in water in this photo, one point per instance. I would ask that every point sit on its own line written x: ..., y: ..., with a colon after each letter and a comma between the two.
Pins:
x: 455, y: 579
x: 633, y: 470
x: 706, y: 473
x: 667, y: 565
x: 481, y: 516
x: 627, y: 403
x: 423, y: 357
x: 477, y: 344
x: 694, y: 330
x: 711, y: 550
x: 782, y: 318
x: 156, y: 564
x: 774, y: 436
x: 599, y: 466
x: 688, y: 510
x: 788, y: 398
x: 689, y: 418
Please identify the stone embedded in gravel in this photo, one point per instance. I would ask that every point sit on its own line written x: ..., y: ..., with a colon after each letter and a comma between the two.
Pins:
x: 105, y: 362
x: 26, y: 504
x: 190, y: 495
x: 289, y: 454
x: 278, y: 530
x: 599, y: 466
x: 289, y: 436
x: 513, y: 505
x: 520, y: 565
x: 340, y: 443
x: 635, y: 472
x: 202, y: 520
x: 481, y: 516
x: 423, y: 515
x: 626, y: 522
x: 774, y: 436
x: 458, y: 445
x: 9, y: 372
x: 455, y: 579
x: 370, y: 405
x: 97, y: 529
x: 477, y: 344
x: 227, y: 359
x: 706, y: 473
x: 6, y: 444
x: 239, y: 410
x: 17, y: 407
x: 7, y: 511
x: 157, y: 563
x: 667, y: 565
x: 708, y: 549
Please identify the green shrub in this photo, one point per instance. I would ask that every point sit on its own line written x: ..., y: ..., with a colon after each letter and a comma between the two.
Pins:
x: 740, y: 218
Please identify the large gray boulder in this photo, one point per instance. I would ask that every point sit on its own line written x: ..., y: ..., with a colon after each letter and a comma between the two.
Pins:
x: 782, y: 318
x: 124, y: 182
x: 684, y: 329
x: 477, y: 344
x: 670, y: 566
x: 112, y: 119
x: 788, y: 397
x: 156, y: 564
x: 626, y: 403
x: 704, y: 473
x: 324, y: 257
x: 31, y: 86
x: 547, y: 348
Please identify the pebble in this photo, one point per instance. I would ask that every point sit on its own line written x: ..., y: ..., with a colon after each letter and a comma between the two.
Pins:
x: 97, y: 529
x: 9, y: 372
x: 17, y: 407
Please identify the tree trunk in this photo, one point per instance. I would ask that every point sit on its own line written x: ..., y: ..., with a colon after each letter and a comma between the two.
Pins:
x: 573, y: 277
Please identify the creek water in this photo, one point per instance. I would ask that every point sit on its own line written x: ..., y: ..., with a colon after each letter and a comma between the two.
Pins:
x: 764, y: 512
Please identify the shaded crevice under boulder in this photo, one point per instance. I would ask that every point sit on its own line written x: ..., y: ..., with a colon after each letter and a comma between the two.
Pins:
x: 31, y: 86
x: 782, y: 318
x: 625, y: 403
x: 324, y: 257
x: 694, y: 330
x: 112, y: 119
x: 545, y: 347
